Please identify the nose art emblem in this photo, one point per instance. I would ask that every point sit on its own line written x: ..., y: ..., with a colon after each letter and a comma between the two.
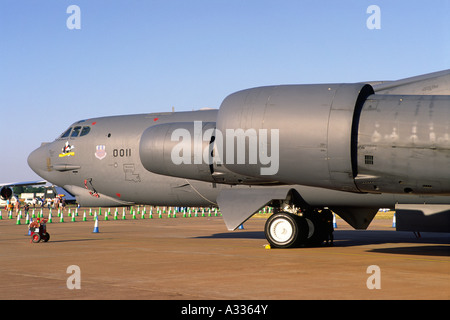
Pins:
x: 67, y: 150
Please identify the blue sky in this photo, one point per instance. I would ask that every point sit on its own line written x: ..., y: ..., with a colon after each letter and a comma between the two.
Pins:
x: 147, y: 56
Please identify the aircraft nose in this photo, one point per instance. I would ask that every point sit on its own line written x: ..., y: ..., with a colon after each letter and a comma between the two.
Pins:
x: 37, y: 160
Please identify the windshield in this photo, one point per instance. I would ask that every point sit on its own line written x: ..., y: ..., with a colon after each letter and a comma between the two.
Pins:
x: 76, y: 131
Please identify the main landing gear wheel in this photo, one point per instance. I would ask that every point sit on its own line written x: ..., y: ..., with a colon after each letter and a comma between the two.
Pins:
x: 286, y: 230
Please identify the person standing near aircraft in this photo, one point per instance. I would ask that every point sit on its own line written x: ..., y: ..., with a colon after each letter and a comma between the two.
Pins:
x: 26, y: 207
x: 17, y: 206
x: 327, y: 217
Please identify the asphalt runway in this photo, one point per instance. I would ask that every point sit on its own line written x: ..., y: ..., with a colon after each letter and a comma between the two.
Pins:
x: 198, y: 259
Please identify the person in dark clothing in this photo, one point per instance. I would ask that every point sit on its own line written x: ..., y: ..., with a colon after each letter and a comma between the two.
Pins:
x: 327, y: 218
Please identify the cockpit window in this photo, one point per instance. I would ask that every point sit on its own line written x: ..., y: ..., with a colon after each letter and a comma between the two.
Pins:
x: 85, y: 131
x: 67, y: 133
x: 75, y: 132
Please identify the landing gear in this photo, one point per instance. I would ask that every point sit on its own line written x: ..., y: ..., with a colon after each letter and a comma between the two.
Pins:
x: 285, y: 230
x: 305, y: 228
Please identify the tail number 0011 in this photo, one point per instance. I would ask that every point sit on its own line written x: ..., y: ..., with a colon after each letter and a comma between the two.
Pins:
x: 121, y: 153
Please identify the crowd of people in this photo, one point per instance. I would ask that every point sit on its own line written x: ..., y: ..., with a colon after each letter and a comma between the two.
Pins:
x: 57, y: 202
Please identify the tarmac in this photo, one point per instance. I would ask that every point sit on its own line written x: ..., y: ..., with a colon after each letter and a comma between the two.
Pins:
x: 196, y: 258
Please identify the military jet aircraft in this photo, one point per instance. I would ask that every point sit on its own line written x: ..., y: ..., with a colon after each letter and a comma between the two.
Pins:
x: 302, y: 149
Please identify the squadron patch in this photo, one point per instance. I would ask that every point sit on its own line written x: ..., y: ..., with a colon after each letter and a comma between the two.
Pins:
x: 100, y: 152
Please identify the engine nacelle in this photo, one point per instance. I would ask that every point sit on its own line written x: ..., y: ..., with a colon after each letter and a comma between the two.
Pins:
x: 335, y: 136
x: 189, y: 150
x: 340, y: 136
x: 6, y: 193
x: 312, y: 127
x: 178, y: 149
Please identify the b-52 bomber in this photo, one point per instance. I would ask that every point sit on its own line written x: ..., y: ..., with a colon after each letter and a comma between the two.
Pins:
x: 302, y: 149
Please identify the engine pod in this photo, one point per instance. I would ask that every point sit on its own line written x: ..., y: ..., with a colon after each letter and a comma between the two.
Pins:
x: 179, y: 149
x: 316, y: 127
x: 6, y: 193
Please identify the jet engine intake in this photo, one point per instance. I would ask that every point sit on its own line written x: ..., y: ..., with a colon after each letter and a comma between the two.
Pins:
x: 6, y: 193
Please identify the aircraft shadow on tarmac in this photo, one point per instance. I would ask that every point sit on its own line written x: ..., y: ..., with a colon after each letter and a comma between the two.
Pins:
x: 75, y: 240
x: 238, y: 234
x: 429, y: 244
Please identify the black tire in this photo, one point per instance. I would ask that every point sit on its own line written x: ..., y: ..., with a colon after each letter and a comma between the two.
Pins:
x: 285, y: 230
x: 45, y: 237
x: 316, y: 232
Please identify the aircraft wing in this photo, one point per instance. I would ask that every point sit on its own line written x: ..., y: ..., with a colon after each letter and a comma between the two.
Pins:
x: 6, y: 191
x: 435, y: 83
x: 23, y: 183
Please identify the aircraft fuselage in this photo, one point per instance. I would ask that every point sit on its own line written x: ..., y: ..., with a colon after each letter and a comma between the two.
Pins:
x: 103, y: 167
